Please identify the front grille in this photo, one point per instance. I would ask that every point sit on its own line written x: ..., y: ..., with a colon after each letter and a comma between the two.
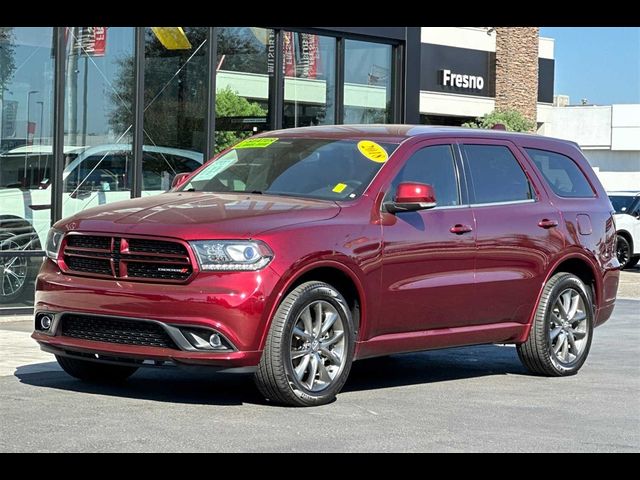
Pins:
x: 111, y: 330
x: 90, y: 265
x: 89, y: 241
x: 126, y: 258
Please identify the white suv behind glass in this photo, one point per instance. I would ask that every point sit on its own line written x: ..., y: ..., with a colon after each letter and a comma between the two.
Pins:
x: 627, y: 217
x: 92, y: 176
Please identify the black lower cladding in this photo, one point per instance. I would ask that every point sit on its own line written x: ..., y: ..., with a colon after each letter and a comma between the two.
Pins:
x: 116, y: 330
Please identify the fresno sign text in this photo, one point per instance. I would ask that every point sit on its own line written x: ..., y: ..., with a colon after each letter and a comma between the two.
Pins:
x: 471, y: 82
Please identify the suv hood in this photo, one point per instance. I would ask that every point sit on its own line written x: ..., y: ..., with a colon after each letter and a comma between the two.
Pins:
x: 200, y: 216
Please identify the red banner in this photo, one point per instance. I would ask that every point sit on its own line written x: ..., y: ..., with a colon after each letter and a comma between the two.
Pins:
x: 89, y: 41
x: 300, y: 55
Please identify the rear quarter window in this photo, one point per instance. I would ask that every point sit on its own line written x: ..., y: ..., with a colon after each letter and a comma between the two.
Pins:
x: 561, y: 173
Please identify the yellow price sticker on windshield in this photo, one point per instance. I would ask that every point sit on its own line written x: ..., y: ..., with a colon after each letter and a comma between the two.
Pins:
x: 372, y: 151
x: 262, y: 142
x: 339, y: 187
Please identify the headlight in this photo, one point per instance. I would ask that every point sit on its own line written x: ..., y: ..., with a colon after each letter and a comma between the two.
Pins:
x: 54, y: 239
x: 232, y: 254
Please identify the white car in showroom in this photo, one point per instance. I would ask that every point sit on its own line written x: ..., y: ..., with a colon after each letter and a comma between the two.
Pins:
x: 92, y: 176
x: 627, y: 217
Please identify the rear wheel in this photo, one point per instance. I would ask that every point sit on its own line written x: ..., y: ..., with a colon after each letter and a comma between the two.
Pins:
x: 94, y: 371
x: 623, y: 252
x: 309, y: 349
x: 560, y: 337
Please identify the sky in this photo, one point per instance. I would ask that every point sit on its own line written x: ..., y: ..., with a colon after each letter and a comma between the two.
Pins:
x: 599, y: 64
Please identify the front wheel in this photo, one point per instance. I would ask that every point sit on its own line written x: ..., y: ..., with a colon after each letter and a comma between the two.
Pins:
x: 309, y: 349
x: 560, y: 336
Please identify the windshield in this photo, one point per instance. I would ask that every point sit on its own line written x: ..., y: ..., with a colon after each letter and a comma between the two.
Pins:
x: 302, y: 167
x: 623, y: 203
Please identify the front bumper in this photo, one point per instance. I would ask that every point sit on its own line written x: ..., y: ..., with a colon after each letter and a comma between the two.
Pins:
x: 235, y: 304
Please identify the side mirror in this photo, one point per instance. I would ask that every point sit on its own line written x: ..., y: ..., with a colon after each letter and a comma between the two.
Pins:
x: 179, y: 179
x: 410, y: 197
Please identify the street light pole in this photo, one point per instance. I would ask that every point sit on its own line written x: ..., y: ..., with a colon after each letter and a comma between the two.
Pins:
x: 26, y: 140
x: 40, y: 125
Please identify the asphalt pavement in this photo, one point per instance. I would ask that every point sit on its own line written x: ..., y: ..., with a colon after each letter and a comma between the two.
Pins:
x: 471, y: 399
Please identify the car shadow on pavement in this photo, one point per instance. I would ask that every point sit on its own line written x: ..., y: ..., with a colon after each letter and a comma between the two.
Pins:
x: 175, y: 385
x: 434, y: 366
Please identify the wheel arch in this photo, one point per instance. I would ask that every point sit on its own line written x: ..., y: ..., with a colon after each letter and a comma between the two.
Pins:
x: 579, y: 265
x: 336, y: 274
x: 628, y: 237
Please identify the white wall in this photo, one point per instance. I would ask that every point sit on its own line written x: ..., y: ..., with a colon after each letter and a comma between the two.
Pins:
x: 589, y: 126
x: 609, y: 137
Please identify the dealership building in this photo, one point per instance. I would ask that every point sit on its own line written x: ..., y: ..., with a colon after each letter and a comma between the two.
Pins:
x: 92, y: 115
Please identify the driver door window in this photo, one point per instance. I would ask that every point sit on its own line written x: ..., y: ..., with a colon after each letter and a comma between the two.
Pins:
x: 435, y: 166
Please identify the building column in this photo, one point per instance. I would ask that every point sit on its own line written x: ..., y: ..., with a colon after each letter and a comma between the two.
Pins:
x: 517, y: 70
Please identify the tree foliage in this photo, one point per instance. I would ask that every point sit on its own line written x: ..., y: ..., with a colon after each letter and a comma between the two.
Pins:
x: 230, y: 104
x: 513, y: 121
x: 7, y: 62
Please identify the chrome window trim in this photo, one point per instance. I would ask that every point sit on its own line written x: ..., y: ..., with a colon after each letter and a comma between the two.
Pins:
x: 497, y: 204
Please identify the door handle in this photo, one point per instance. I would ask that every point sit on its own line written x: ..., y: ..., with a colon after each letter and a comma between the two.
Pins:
x: 546, y: 223
x: 459, y: 229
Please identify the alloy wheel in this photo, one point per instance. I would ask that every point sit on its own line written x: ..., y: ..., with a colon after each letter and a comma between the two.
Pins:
x: 317, y: 345
x: 13, y: 270
x: 568, y: 328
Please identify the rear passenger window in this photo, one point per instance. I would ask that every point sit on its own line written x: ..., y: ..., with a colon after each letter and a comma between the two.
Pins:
x: 561, y: 173
x: 496, y: 175
x: 433, y: 166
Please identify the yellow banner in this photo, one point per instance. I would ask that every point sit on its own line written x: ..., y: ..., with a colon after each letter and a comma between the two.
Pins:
x: 172, y: 38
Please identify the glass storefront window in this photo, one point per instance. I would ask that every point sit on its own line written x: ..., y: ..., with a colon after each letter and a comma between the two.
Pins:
x: 367, y: 82
x: 309, y: 79
x: 98, y: 116
x: 175, y: 93
x: 26, y: 105
x: 244, y: 60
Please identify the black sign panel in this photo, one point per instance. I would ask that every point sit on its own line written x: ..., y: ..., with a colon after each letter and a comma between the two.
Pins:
x: 457, y: 70
x: 546, y: 71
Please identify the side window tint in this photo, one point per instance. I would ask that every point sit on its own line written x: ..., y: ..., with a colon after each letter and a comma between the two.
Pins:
x: 433, y: 166
x: 561, y: 173
x: 496, y: 175
x: 107, y: 172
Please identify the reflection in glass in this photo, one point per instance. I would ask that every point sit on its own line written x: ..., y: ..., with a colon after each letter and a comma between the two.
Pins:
x: 367, y: 77
x: 99, y: 89
x: 175, y: 101
x: 244, y: 60
x: 309, y: 84
x: 26, y: 106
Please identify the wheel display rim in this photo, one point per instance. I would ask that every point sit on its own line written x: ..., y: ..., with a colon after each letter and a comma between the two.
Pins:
x: 317, y: 346
x: 622, y: 252
x: 13, y: 270
x: 568, y: 328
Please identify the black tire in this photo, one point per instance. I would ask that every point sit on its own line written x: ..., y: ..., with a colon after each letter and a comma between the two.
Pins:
x: 633, y: 262
x: 275, y: 377
x: 623, y: 252
x: 537, y: 353
x: 94, y: 371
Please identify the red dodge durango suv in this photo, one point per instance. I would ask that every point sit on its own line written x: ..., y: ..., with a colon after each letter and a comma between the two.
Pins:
x: 296, y: 252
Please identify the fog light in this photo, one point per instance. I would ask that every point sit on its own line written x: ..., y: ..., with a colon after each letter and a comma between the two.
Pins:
x: 215, y: 341
x: 45, y: 322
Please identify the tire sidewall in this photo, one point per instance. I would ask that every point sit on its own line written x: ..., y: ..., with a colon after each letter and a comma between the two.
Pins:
x: 576, y: 284
x: 330, y: 295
